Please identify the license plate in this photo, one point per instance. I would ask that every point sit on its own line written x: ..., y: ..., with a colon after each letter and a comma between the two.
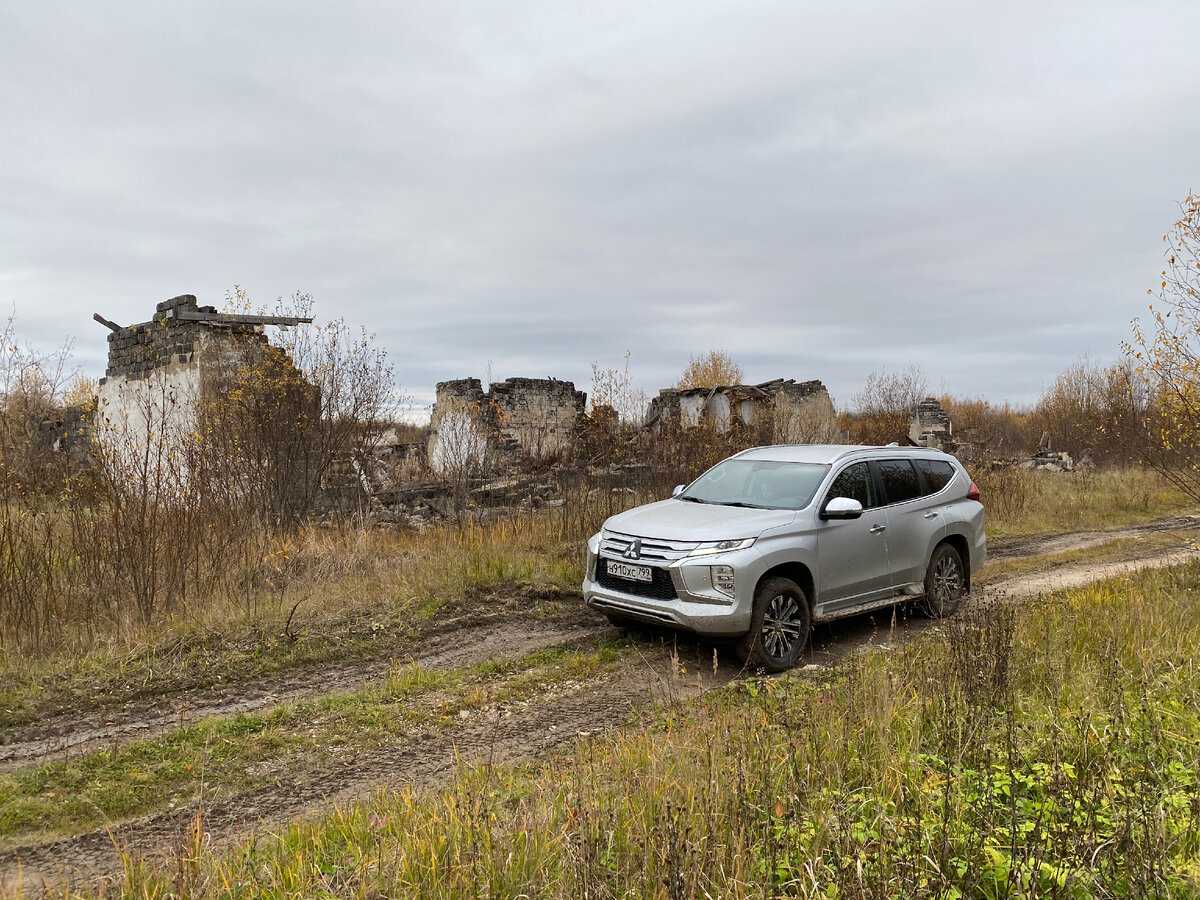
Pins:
x: 631, y: 573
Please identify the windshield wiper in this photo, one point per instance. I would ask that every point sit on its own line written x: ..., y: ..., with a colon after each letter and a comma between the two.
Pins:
x: 742, y: 504
x: 690, y: 499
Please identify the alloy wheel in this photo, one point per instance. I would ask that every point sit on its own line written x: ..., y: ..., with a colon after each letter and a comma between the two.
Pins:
x: 782, y: 626
x: 947, y: 581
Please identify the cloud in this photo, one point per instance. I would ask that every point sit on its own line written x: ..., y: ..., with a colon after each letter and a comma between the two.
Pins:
x: 819, y: 191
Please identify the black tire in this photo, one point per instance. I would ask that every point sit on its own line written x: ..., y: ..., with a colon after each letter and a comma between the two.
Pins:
x: 780, y: 626
x: 945, y: 583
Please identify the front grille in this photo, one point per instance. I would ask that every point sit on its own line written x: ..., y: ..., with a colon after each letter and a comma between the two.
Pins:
x: 660, y: 588
x: 653, y: 549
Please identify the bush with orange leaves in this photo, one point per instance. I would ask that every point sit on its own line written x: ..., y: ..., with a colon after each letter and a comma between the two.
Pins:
x: 1166, y: 352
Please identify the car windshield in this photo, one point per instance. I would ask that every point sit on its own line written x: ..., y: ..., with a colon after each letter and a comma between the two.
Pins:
x: 758, y: 484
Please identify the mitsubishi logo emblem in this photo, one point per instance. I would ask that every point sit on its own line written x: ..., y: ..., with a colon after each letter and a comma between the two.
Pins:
x: 634, y: 550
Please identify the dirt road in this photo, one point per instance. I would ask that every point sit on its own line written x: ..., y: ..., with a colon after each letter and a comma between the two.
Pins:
x: 502, y: 733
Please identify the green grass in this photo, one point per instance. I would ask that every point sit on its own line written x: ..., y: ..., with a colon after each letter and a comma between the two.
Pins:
x: 1044, y: 749
x: 223, y: 756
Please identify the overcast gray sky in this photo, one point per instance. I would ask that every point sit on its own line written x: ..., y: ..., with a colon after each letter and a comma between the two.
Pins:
x: 822, y: 189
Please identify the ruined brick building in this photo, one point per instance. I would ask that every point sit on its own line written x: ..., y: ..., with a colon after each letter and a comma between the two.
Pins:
x: 787, y: 410
x: 158, y: 371
x: 931, y: 426
x: 519, y: 418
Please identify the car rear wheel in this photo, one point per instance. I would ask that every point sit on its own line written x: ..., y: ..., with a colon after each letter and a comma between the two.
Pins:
x: 780, y: 626
x: 945, y: 583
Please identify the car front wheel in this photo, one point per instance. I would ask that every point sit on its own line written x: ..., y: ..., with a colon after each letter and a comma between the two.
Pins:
x: 779, y: 626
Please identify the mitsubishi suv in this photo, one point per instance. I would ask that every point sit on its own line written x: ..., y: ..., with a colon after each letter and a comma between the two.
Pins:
x: 773, y: 539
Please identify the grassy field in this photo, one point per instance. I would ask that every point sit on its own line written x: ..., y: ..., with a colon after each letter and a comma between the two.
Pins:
x: 366, y: 593
x: 356, y: 594
x: 1022, y: 503
x: 1048, y: 750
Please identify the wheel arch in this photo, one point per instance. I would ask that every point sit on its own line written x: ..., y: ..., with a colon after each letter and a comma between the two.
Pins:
x: 797, y: 572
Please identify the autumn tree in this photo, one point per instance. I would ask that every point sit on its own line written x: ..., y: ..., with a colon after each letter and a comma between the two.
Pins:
x: 614, y: 389
x: 1166, y: 351
x: 711, y: 369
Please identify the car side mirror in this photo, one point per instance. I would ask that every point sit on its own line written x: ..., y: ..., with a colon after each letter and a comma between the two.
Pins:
x: 677, y: 490
x: 842, y: 508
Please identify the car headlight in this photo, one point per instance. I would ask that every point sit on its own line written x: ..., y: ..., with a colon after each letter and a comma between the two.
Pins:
x: 721, y: 546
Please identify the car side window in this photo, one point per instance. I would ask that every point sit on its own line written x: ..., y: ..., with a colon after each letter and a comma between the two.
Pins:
x: 937, y: 474
x: 900, y: 481
x: 854, y: 482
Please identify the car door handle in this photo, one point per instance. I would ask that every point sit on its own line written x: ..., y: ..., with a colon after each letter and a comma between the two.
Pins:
x: 876, y: 529
x: 931, y: 515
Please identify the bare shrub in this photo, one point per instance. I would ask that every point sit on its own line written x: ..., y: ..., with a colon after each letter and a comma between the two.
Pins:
x: 882, y: 411
x: 32, y: 386
x: 991, y: 429
x: 462, y: 453
x: 320, y: 395
x: 615, y: 389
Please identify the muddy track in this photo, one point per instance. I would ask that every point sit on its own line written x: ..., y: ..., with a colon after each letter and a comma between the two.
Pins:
x: 454, y: 641
x: 520, y: 731
x: 65, y: 736
x: 499, y: 734
x: 1038, y: 545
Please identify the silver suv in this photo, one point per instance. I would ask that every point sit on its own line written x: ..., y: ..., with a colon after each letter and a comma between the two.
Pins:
x: 775, y: 538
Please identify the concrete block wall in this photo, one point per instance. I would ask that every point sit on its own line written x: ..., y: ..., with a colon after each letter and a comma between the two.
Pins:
x: 138, y: 350
x: 519, y: 418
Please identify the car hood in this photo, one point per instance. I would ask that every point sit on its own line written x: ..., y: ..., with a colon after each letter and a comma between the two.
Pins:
x: 679, y: 520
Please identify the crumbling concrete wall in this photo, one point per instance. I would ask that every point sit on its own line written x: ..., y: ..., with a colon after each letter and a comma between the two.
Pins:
x: 789, y: 411
x: 460, y: 427
x: 517, y: 419
x: 931, y: 426
x: 160, y: 371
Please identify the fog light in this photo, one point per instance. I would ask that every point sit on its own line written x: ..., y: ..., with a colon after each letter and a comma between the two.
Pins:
x: 722, y: 579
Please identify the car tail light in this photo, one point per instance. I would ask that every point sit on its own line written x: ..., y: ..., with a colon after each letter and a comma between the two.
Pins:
x: 973, y: 493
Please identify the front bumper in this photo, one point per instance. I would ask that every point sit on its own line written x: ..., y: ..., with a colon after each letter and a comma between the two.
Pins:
x: 691, y: 611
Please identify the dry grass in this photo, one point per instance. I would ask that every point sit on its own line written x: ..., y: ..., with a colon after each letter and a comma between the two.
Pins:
x: 1021, y: 502
x: 322, y: 594
x: 1054, y: 751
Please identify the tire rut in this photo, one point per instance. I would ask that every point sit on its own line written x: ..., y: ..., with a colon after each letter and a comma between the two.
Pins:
x: 499, y: 735
x: 1039, y: 545
x: 67, y: 736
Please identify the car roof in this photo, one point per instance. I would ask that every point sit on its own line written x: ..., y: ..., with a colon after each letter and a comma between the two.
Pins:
x: 826, y: 454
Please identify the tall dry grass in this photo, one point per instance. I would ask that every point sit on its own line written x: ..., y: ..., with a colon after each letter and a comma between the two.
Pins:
x: 1023, y: 502
x: 1044, y: 752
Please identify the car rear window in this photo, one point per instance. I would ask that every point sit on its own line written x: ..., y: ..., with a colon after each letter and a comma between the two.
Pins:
x: 900, y: 481
x: 937, y: 474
